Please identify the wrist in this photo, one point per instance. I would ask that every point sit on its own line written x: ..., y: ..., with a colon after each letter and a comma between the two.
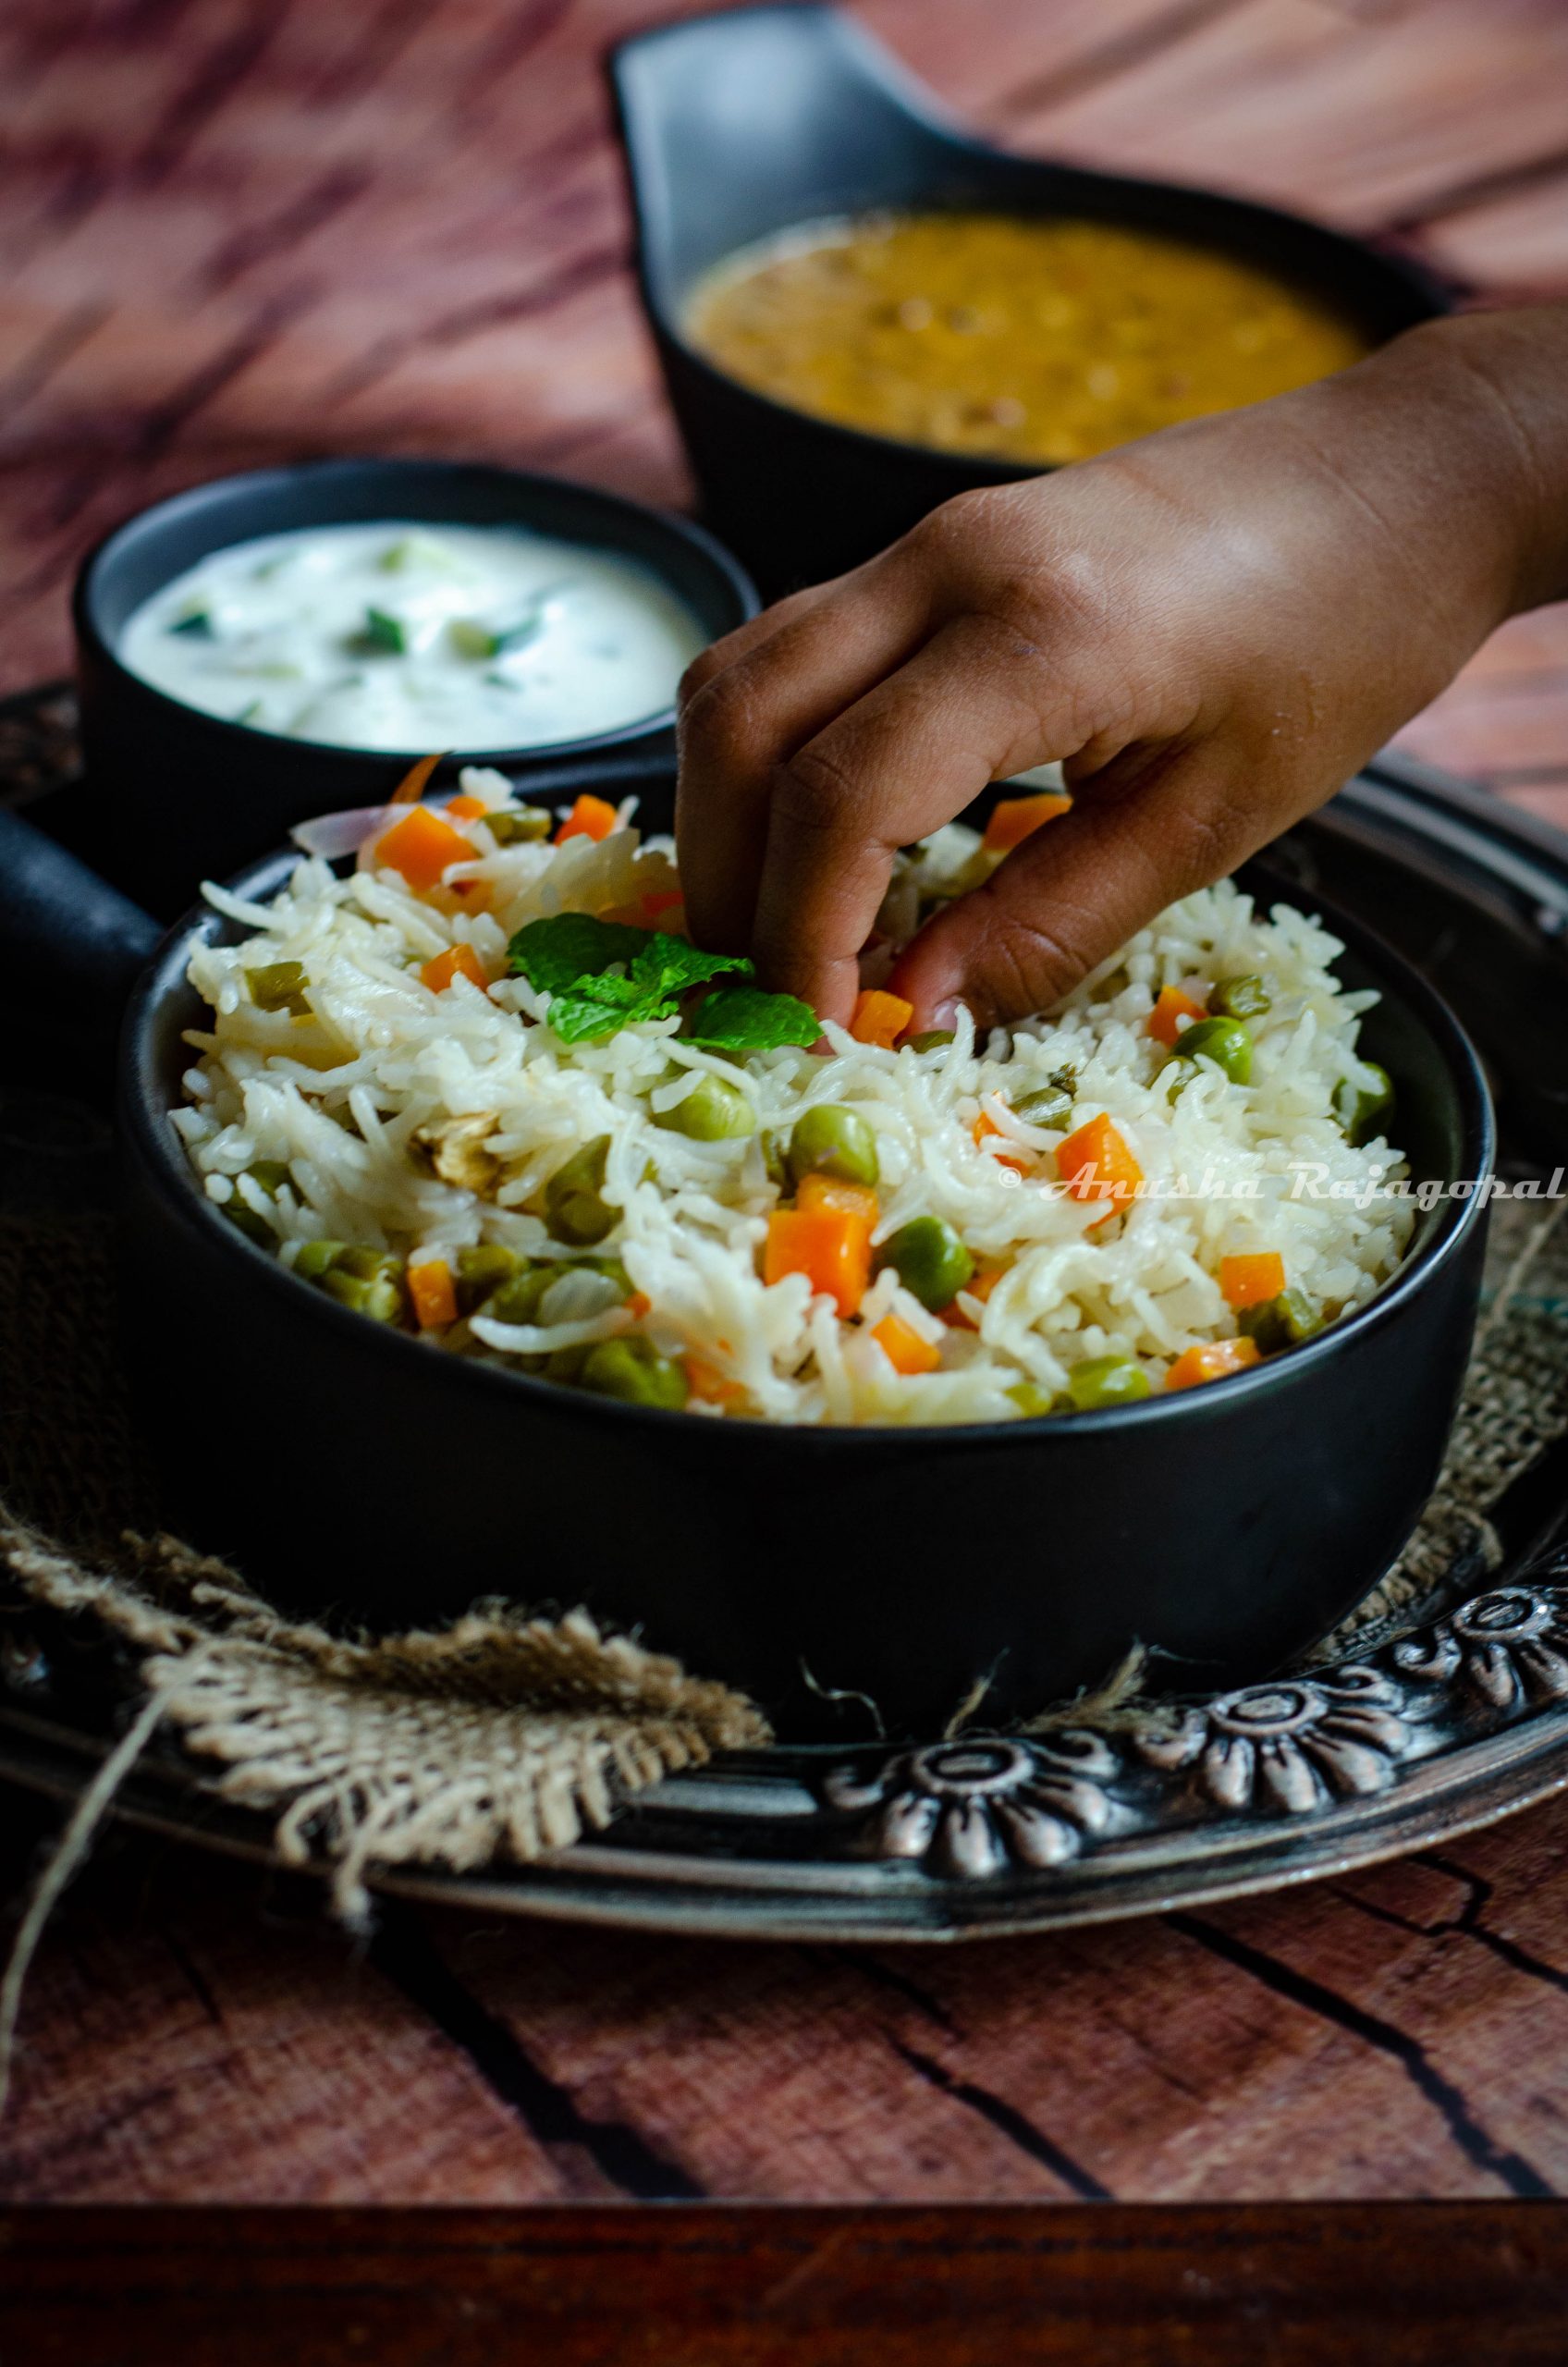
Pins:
x: 1482, y: 399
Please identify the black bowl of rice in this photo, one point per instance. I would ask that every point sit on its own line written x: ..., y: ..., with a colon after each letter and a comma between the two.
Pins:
x: 392, y: 1366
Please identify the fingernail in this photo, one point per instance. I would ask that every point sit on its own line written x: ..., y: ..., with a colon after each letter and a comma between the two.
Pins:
x: 946, y: 1013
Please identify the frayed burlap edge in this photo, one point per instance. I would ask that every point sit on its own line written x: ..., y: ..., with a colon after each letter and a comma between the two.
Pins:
x: 500, y: 1736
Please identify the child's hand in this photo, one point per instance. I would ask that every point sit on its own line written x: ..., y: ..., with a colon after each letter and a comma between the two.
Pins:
x: 1214, y: 628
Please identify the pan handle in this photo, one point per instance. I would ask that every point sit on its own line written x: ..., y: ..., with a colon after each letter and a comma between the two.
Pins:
x: 71, y: 947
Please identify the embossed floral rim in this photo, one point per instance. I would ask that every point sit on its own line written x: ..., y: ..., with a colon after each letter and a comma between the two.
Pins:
x: 1445, y: 1729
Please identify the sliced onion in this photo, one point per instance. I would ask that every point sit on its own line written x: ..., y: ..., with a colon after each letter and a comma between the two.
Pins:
x: 331, y: 835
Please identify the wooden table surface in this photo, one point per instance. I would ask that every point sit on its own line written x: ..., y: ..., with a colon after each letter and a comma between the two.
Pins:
x: 236, y: 230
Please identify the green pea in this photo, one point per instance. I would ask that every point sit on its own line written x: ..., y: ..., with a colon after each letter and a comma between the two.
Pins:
x: 1181, y: 1071
x: 1105, y: 1380
x: 932, y: 1039
x: 1031, y: 1400
x: 713, y: 1111
x: 1246, y: 997
x: 1363, y: 1109
x: 317, y: 1259
x: 776, y: 1157
x: 1224, y: 1041
x: 574, y: 1211
x: 481, y: 1271
x: 634, y: 1372
x: 512, y: 826
x: 1050, y: 1105
x: 271, y: 1174
x: 517, y: 1300
x: 564, y: 1364
x: 930, y: 1260
x: 833, y: 1141
x: 1283, y: 1322
x: 369, y: 1281
x: 278, y: 986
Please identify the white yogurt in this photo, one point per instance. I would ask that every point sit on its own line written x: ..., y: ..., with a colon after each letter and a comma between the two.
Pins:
x: 409, y: 637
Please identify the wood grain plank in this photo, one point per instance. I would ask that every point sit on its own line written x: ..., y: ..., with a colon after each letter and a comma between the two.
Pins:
x: 1142, y: 2062
x: 1365, y: 119
x: 192, y: 2031
x: 695, y: 2287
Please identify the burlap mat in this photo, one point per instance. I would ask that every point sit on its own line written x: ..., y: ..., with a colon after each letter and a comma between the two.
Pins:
x: 504, y: 1735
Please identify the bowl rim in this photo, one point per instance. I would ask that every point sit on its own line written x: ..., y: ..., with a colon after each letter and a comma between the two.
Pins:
x: 92, y: 634
x: 911, y: 96
x: 147, y: 1130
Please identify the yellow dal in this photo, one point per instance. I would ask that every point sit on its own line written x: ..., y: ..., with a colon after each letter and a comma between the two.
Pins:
x: 1034, y: 341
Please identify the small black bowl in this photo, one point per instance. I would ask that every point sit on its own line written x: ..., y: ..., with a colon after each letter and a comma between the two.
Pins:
x: 743, y: 124
x: 177, y: 796
x: 344, y: 1465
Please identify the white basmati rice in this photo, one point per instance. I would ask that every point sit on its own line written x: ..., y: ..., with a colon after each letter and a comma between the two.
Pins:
x: 337, y: 1097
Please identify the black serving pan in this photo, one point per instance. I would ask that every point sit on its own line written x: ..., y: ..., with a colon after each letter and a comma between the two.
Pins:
x: 347, y: 1467
x: 173, y: 796
x: 741, y: 125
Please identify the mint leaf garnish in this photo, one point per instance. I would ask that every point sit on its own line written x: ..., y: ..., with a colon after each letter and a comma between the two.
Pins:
x: 744, y: 1019
x: 667, y: 965
x: 571, y: 948
x: 604, y: 974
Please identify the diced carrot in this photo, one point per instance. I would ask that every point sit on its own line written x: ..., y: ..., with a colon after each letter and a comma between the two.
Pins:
x: 985, y: 1125
x: 466, y: 809
x: 710, y: 1386
x: 1248, y: 1282
x: 880, y: 1018
x: 661, y: 900
x: 838, y: 1192
x: 904, y: 1347
x: 432, y: 1292
x: 1013, y: 819
x: 984, y: 1284
x: 410, y: 788
x: 1211, y: 1363
x: 639, y: 1304
x: 1171, y: 1006
x: 422, y: 846
x: 591, y: 817
x: 472, y: 895
x: 438, y: 975
x: 830, y: 1246
x: 1098, y: 1165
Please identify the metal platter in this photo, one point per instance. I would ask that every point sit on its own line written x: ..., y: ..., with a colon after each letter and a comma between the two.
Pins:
x: 1426, y: 1732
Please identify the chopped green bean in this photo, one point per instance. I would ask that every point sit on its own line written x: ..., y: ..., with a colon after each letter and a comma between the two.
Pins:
x: 512, y: 826
x: 634, y: 1371
x: 1283, y: 1322
x: 278, y: 986
x: 1363, y: 1110
x: 1050, y: 1105
x: 1105, y: 1380
x: 574, y: 1209
x: 1244, y: 997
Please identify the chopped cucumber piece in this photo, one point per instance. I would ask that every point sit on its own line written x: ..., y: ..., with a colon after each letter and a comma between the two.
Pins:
x: 384, y: 633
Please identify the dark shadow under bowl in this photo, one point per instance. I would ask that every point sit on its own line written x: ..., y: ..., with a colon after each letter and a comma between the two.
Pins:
x: 746, y: 124
x: 345, y: 1465
x: 174, y: 796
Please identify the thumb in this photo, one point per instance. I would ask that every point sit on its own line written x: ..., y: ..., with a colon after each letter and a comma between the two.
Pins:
x: 1071, y: 894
